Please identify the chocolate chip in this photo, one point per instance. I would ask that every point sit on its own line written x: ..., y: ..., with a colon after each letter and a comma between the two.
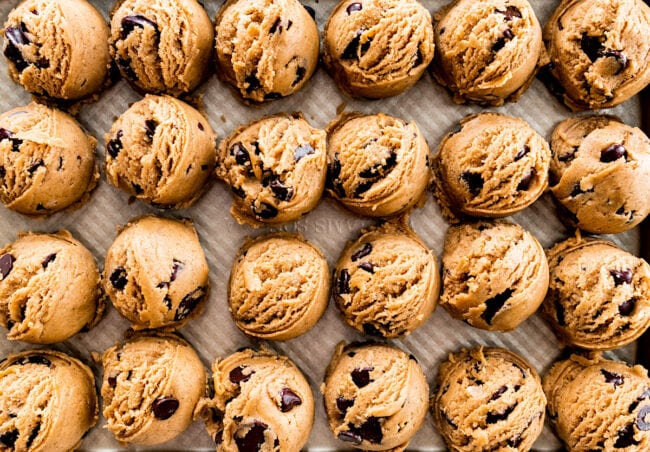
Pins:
x: 361, y: 377
x: 343, y: 283
x: 48, y: 259
x: 350, y: 437
x: 620, y: 58
x: 641, y: 422
x: 126, y: 69
x: 242, y: 157
x: 625, y: 437
x: 277, y: 26
x: 189, y: 303
x: 500, y: 43
x: 494, y: 417
x: 6, y: 264
x: 371, y: 330
x: 300, y: 74
x: 129, y: 23
x: 510, y: 13
x: 367, y: 266
x: 32, y: 436
x: 353, y: 7
x: 371, y: 431
x: 15, y: 38
x: 343, y: 404
x: 494, y: 305
x: 524, y: 184
x: 176, y: 267
x: 592, y: 46
x: 499, y: 392
x: 351, y: 50
x: 559, y: 313
x: 164, y: 407
x: 362, y: 188
x: 311, y: 11
x: 253, y: 83
x: 523, y: 151
x: 34, y: 359
x: 419, y: 59
x: 362, y: 252
x: 289, y: 400
x: 238, y: 191
x: 39, y: 206
x: 474, y: 182
x: 280, y: 191
x: 237, y: 375
x: 569, y: 156
x: 612, y: 377
x: 9, y: 438
x: 627, y: 308
x: 34, y: 166
x: 115, y: 145
x: 302, y: 151
x: 264, y: 211
x: 623, y: 276
x: 168, y: 301
x: 253, y: 439
x: 118, y: 278
x: 612, y: 153
x: 272, y: 96
x: 335, y: 168
x: 150, y: 128
x: 381, y: 168
x: 112, y: 381
x: 137, y: 188
x: 5, y: 134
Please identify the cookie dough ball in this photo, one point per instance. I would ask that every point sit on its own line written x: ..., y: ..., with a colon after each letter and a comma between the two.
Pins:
x: 495, y: 274
x: 275, y: 167
x: 162, y: 151
x: 487, y: 51
x: 150, y: 388
x: 599, y: 295
x: 598, y: 404
x: 57, y: 48
x: 598, y: 51
x: 47, y: 162
x: 279, y: 286
x: 494, y: 166
x: 266, y: 49
x: 378, y: 164
x: 599, y: 173
x: 488, y: 399
x: 156, y: 274
x: 378, y: 48
x: 48, y: 401
x: 262, y: 402
x: 375, y: 396
x: 386, y: 281
x: 49, y: 288
x: 162, y: 46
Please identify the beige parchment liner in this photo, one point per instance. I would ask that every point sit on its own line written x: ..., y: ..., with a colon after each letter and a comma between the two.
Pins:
x: 329, y: 227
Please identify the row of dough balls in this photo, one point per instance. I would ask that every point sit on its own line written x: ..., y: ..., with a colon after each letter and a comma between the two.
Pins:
x: 486, y: 52
x: 164, y: 152
x: 376, y: 397
x: 386, y: 283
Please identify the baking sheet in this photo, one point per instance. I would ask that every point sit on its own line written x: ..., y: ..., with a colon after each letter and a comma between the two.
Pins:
x: 329, y: 227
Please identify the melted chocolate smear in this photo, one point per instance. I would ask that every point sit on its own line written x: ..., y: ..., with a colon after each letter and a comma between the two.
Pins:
x: 474, y: 182
x: 524, y: 184
x: 510, y: 13
x: 343, y: 404
x: 353, y: 7
x: 361, y: 377
x: 112, y: 381
x: 150, y: 128
x: 381, y: 168
x: 612, y: 153
x: 494, y: 304
x: 6, y: 264
x: 15, y: 38
x: 253, y: 439
x: 613, y: 378
x: 367, y: 266
x: 9, y: 438
x: 363, y: 252
x: 115, y: 146
x: 300, y: 74
x: 622, y: 276
x: 641, y: 421
x: 499, y: 392
x: 118, y: 278
x: 237, y: 375
x: 626, y: 437
x: 592, y: 46
x: 218, y: 438
x: 265, y: 211
x: 343, y: 283
x: 289, y: 400
x: 302, y: 151
x: 523, y: 151
x: 50, y: 258
x: 129, y: 23
x: 189, y: 303
x: 501, y: 42
x: 164, y: 407
x: 494, y: 417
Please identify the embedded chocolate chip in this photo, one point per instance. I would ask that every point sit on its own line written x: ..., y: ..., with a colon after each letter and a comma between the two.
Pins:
x: 32, y: 436
x: 367, y: 266
x: 559, y: 313
x: 9, y: 438
x: 501, y: 42
x: 620, y: 58
x: 253, y: 439
x: 499, y: 392
x: 612, y: 153
x: 302, y: 151
x: 641, y: 422
x: 474, y: 182
x: 350, y: 437
x: 164, y: 407
x: 362, y: 188
x: 237, y: 375
x: 510, y: 13
x: 335, y: 168
x: 371, y: 431
x: 150, y: 128
x: 515, y: 441
x: 242, y: 157
x: 494, y: 417
x: 363, y: 252
x: 361, y: 377
x: 371, y: 330
x: 353, y: 7
x: 5, y: 134
x: 524, y: 184
x: 311, y: 11
x: 129, y: 23
x: 189, y: 303
x: 523, y: 151
x: 34, y: 166
x: 115, y: 146
x: 343, y: 283
x: 253, y: 83
x: 277, y: 26
x: 48, y: 259
x: 6, y: 264
x: 612, y: 377
x: 112, y: 381
x: 272, y: 96
x: 280, y: 191
x: 351, y: 50
x: 289, y: 400
x: 592, y: 46
x: 494, y: 305
x: 625, y: 437
x: 569, y: 156
x: 419, y: 59
x: 168, y: 302
x: 381, y: 168
x: 300, y: 72
x: 627, y: 308
x: 15, y: 38
x: 126, y: 69
x: 264, y: 211
x: 622, y: 276
x: 343, y: 404
x: 34, y: 359
x: 118, y: 278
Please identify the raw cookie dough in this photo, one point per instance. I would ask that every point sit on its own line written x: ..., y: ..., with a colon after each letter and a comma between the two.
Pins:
x: 487, y: 51
x: 156, y: 274
x: 162, y: 46
x: 279, y: 286
x: 162, y: 151
x: 494, y: 166
x: 386, y: 281
x: 47, y: 162
x: 150, y: 388
x: 48, y: 401
x: 262, y: 402
x: 378, y: 164
x: 57, y: 48
x: 598, y: 404
x: 266, y: 49
x: 599, y: 295
x: 376, y: 396
x: 599, y: 51
x: 488, y: 399
x: 600, y: 172
x: 49, y: 288
x: 377, y: 48
x: 495, y: 274
x: 276, y: 168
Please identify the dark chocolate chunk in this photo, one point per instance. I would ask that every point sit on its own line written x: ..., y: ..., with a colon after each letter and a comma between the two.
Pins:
x: 343, y: 404
x: 32, y: 436
x: 353, y: 7
x: 129, y: 23
x: 242, y: 157
x: 276, y: 27
x: 474, y: 182
x: 625, y: 437
x: 118, y: 278
x: 34, y: 359
x: 524, y: 184
x: 612, y: 153
x: 272, y: 96
x: 237, y: 375
x: 362, y: 188
x: 164, y: 407
x: 371, y: 330
x: 200, y: 126
x: 126, y: 69
x: 592, y: 46
x: 641, y: 422
x: 335, y: 168
x: 311, y: 11
x: 494, y: 417
x: 5, y: 134
x: 494, y: 304
x: 9, y: 438
x: 351, y: 50
x: 238, y: 191
x: 253, y: 440
x: 48, y: 259
x: 112, y: 381
x: 627, y: 308
x: 361, y: 377
x: 302, y: 151
x: 381, y: 168
x: 39, y: 206
x: 115, y: 145
x: 367, y: 266
x: 343, y: 282
x: 253, y: 83
x: 189, y: 303
x: 34, y: 166
x: 15, y: 38
x: 289, y: 400
x: 371, y: 431
x: 350, y: 437
x: 362, y: 252
x: 280, y: 191
x: 622, y: 276
x: 498, y: 393
x: 510, y: 13
x: 150, y: 128
x: 612, y: 377
x: 264, y: 211
x: 6, y: 264
x: 523, y: 151
x: 300, y: 72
